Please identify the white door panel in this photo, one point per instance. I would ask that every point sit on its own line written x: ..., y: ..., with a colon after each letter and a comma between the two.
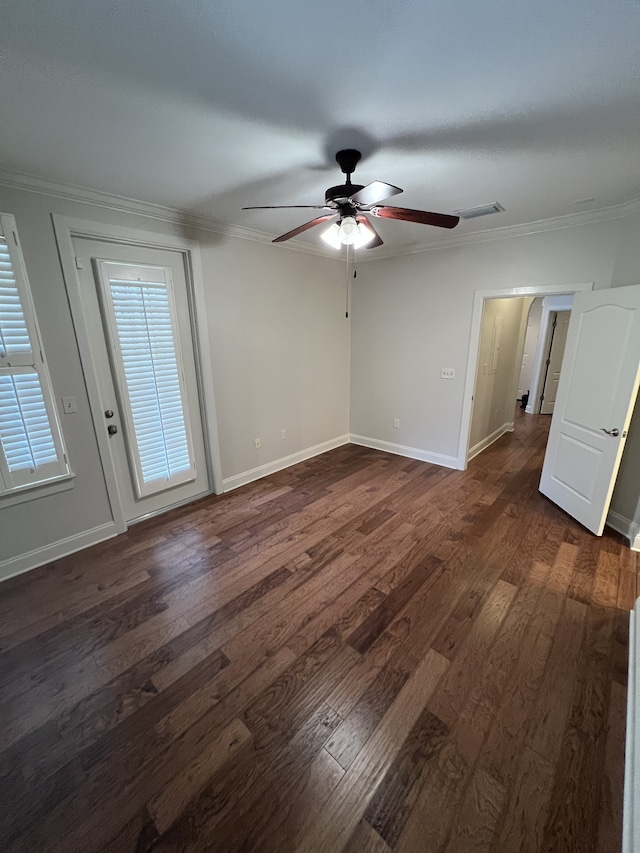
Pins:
x: 102, y: 261
x: 596, y: 393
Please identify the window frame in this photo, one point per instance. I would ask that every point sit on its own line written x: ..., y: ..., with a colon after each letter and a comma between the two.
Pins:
x: 16, y: 489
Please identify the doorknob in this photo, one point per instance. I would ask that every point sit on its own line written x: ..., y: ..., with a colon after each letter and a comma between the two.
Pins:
x: 614, y: 432
x: 112, y: 429
x: 108, y: 413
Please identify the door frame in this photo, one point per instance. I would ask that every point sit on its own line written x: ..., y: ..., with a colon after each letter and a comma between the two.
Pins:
x: 550, y: 305
x: 474, y: 347
x: 66, y: 228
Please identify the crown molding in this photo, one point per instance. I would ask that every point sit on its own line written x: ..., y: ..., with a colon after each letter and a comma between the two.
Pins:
x: 122, y: 204
x: 85, y: 195
x: 569, y: 220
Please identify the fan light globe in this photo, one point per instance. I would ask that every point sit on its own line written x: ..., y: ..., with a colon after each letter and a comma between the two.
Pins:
x: 348, y: 232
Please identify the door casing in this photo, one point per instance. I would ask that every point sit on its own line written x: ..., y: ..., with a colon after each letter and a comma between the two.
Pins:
x: 474, y: 344
x: 66, y: 229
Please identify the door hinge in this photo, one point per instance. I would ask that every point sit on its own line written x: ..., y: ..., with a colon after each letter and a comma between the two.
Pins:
x: 548, y: 362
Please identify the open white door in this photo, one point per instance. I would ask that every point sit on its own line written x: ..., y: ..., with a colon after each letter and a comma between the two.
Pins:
x: 596, y: 395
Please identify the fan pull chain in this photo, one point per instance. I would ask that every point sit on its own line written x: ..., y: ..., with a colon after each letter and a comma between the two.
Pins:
x: 350, y: 276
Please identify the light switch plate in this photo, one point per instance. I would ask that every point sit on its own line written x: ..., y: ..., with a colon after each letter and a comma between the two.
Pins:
x: 447, y: 373
x: 69, y: 405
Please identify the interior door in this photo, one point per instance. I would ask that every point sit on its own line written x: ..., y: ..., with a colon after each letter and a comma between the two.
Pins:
x: 554, y: 361
x: 596, y: 395
x: 136, y: 305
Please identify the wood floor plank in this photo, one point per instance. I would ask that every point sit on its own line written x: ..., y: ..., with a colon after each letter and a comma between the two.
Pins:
x: 554, y: 699
x: 612, y: 782
x: 476, y: 823
x: 528, y: 803
x: 366, y: 840
x: 396, y: 796
x: 334, y: 825
x: 174, y: 797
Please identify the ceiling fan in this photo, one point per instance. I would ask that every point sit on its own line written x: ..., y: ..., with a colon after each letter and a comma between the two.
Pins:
x: 348, y: 203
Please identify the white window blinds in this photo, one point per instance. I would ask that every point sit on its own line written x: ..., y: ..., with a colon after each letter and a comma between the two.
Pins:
x: 143, y: 331
x: 31, y: 449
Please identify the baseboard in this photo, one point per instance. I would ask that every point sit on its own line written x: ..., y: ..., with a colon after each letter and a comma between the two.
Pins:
x: 486, y: 442
x: 238, y: 480
x: 631, y: 818
x: 48, y: 553
x: 628, y: 528
x: 403, y: 450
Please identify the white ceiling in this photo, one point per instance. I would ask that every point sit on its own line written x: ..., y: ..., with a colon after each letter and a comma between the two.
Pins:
x: 209, y: 106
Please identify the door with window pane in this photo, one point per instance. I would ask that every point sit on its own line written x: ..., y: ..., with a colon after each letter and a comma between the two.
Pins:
x: 136, y: 304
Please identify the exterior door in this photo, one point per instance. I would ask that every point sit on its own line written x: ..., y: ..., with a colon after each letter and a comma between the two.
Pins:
x: 554, y: 361
x: 136, y: 305
x: 596, y: 395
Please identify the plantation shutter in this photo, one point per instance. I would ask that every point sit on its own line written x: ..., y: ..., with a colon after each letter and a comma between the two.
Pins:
x: 142, y: 325
x: 31, y: 449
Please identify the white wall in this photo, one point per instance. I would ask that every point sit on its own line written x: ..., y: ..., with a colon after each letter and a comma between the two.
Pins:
x: 412, y: 315
x: 494, y: 401
x: 280, y: 351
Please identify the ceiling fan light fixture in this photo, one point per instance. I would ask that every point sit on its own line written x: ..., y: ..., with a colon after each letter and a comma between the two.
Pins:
x: 348, y: 232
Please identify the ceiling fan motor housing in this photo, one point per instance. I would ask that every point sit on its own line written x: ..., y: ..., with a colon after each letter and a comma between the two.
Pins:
x: 342, y: 192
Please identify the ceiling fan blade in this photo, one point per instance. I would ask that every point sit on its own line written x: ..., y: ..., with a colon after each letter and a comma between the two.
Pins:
x: 377, y: 240
x: 304, y: 227
x: 422, y: 217
x: 375, y: 192
x: 286, y: 206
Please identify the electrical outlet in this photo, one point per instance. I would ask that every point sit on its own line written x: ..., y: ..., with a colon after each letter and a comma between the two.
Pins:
x: 256, y: 443
x: 447, y: 373
x: 396, y: 423
x: 69, y: 405
x: 283, y: 434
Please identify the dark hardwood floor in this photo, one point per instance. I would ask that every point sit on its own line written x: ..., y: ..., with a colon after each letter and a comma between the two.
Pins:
x: 360, y: 653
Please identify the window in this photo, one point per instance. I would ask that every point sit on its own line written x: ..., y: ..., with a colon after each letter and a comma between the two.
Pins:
x: 31, y: 447
x: 141, y: 319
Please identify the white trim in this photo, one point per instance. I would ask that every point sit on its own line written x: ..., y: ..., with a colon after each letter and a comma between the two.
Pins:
x: 41, y: 556
x: 630, y: 823
x: 404, y: 450
x: 550, y: 305
x: 488, y: 440
x: 161, y: 213
x: 85, y: 195
x: 34, y: 491
x: 238, y: 480
x: 474, y: 343
x: 204, y: 365
x: 628, y: 528
x: 524, y: 229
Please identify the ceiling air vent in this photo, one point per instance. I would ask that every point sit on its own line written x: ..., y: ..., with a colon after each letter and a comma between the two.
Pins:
x: 483, y: 210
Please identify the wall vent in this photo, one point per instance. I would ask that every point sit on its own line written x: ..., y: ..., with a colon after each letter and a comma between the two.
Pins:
x: 482, y: 210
